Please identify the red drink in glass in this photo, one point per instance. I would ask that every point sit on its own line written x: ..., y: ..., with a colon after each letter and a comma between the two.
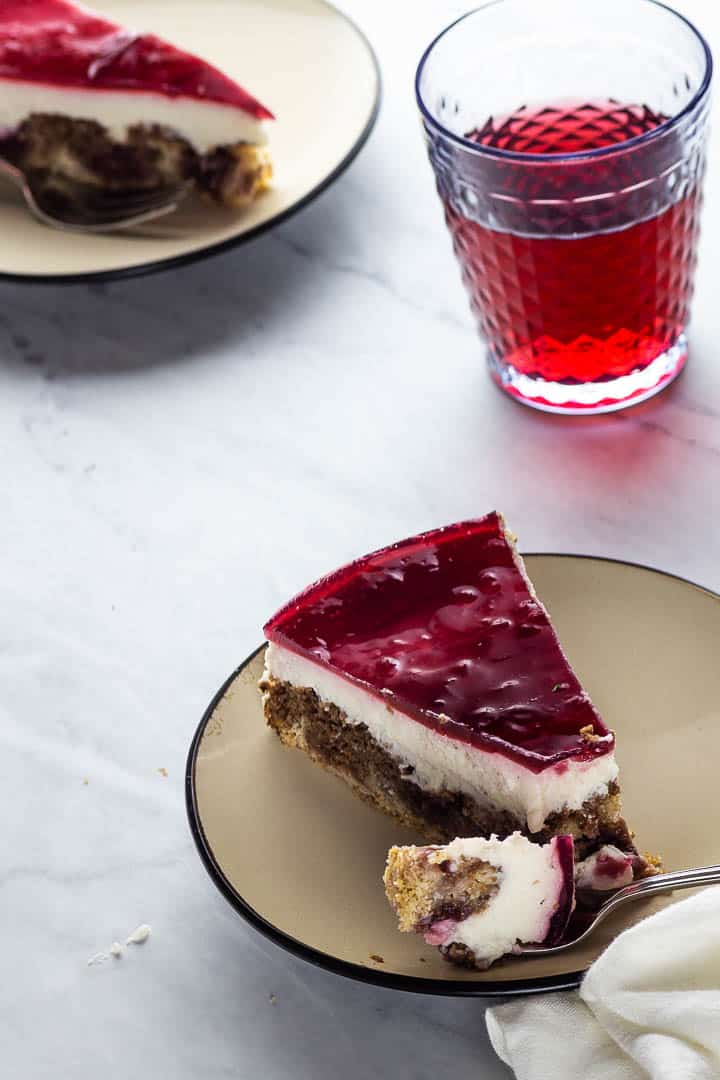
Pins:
x: 602, y: 305
x: 576, y: 225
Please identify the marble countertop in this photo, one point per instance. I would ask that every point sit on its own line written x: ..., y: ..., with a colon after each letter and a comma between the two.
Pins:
x: 180, y: 454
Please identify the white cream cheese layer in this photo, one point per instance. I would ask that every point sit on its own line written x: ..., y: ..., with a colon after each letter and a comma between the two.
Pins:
x: 205, y: 124
x: 442, y: 763
x: 530, y: 884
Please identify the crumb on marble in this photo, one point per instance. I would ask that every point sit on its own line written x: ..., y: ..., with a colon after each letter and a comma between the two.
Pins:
x: 273, y: 999
x: 116, y: 950
x: 139, y: 935
x: 163, y: 771
x: 423, y: 960
x: 85, y: 781
x: 98, y: 958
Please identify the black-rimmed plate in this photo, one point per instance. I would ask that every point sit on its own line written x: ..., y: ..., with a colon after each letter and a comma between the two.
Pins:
x: 302, y: 58
x: 301, y: 858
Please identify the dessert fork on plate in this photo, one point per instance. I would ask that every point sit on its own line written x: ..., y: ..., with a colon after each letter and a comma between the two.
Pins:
x: 84, y: 208
x: 678, y: 879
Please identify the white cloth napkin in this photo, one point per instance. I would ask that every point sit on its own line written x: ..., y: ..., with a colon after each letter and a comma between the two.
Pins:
x: 648, y: 1007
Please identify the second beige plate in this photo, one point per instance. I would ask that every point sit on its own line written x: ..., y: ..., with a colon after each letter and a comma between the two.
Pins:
x: 301, y: 858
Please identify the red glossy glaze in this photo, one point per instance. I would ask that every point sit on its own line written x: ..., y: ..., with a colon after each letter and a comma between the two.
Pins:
x: 565, y: 855
x: 444, y: 627
x: 57, y: 43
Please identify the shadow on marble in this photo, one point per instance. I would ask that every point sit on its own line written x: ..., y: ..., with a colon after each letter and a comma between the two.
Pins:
x: 178, y: 315
x: 328, y: 1026
x: 613, y: 443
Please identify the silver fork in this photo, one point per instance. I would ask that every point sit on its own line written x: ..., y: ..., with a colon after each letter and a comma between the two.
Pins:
x: 84, y: 208
x: 679, y: 879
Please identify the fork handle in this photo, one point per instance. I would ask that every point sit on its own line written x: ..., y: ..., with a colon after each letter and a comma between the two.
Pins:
x: 677, y: 879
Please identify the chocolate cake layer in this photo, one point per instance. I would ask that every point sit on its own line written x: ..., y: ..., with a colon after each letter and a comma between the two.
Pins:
x: 56, y: 148
x: 319, y: 728
x: 422, y: 891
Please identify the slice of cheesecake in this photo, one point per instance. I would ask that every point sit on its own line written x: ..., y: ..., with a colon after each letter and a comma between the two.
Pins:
x: 429, y: 676
x: 85, y: 100
x: 477, y: 899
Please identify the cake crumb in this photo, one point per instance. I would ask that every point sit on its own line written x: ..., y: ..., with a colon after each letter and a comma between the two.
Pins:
x: 163, y: 771
x: 443, y: 718
x: 98, y: 958
x: 139, y: 935
x: 423, y: 960
x: 588, y: 733
x: 273, y: 999
x: 85, y: 781
x: 116, y: 950
x: 378, y: 959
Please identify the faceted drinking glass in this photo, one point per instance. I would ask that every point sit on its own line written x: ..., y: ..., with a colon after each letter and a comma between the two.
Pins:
x: 568, y: 144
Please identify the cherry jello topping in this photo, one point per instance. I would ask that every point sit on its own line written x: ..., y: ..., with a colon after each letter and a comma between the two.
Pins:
x: 54, y: 42
x: 444, y: 627
x: 564, y: 853
x: 611, y: 863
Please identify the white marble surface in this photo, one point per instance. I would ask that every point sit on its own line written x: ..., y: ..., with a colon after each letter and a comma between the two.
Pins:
x: 179, y: 454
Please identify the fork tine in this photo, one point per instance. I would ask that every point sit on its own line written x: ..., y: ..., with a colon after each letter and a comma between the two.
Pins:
x: 103, y: 224
x: 116, y: 205
x: 134, y: 201
x: 668, y: 882
x: 88, y: 216
x: 79, y: 219
x: 84, y: 206
x: 125, y: 222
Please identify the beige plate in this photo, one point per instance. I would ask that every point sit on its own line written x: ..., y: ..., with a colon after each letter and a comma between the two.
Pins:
x: 300, y: 857
x: 301, y: 58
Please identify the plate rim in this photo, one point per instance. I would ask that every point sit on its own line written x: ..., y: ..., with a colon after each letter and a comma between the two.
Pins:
x: 172, y: 262
x: 415, y: 984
